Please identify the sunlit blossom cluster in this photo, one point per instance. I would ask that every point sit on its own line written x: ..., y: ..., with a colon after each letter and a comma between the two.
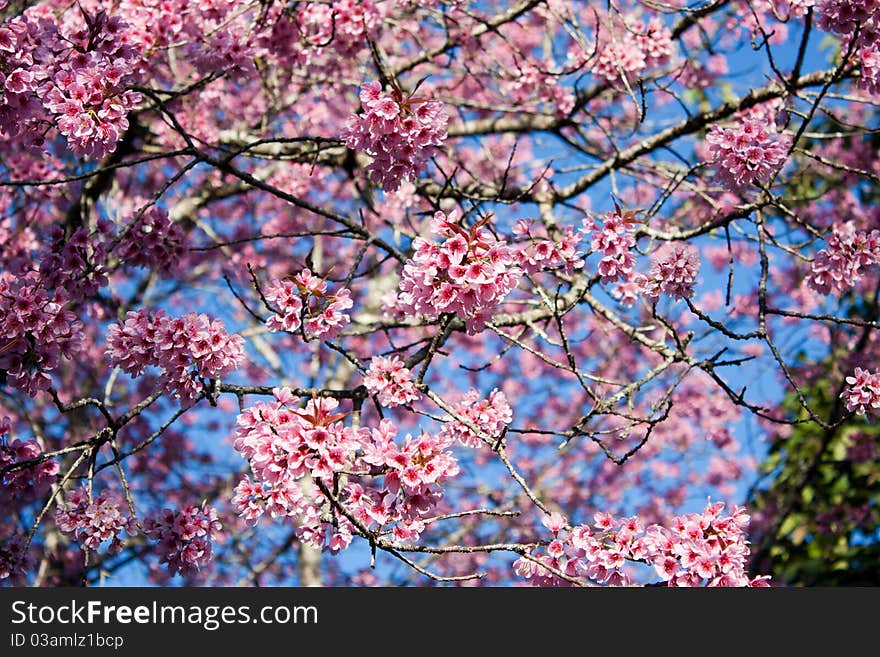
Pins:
x: 858, y: 23
x: 400, y: 132
x: 74, y: 79
x: 489, y: 415
x: 674, y: 269
x: 465, y: 271
x: 613, y: 238
x: 294, y: 451
x: 303, y: 301
x: 343, y: 25
x: 37, y: 331
x: 694, y: 549
x: 391, y: 381
x: 862, y: 395
x: 845, y: 261
x: 455, y: 369
x: 186, y: 350
x: 750, y: 150
x: 539, y: 253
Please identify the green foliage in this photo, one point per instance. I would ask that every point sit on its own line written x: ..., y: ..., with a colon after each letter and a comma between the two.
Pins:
x: 818, y: 512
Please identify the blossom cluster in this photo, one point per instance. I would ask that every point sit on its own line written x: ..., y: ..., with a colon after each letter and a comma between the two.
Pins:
x: 303, y: 301
x: 343, y: 25
x: 700, y: 74
x: 399, y: 132
x: 863, y: 394
x: 184, y: 537
x: 283, y: 445
x: 153, y: 241
x: 869, y: 61
x: 391, y: 381
x: 184, y: 349
x: 529, y: 82
x: 839, y: 266
x: 614, y: 238
x: 537, y: 253
x: 24, y: 484
x: 411, y: 481
x: 490, y: 415
x: 37, y: 330
x: 68, y: 72
x: 93, y: 521
x: 73, y: 78
x: 694, y: 549
x: 674, y: 269
x: 293, y: 452
x: 750, y: 150
x: 859, y: 20
x: 15, y: 560
x: 467, y: 272
x: 75, y: 265
x: 413, y: 468
x: 630, y: 51
x: 844, y: 16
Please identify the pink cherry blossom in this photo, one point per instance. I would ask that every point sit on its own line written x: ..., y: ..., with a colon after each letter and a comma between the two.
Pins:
x: 304, y: 301
x: 21, y: 485
x: 186, y: 350
x: 863, y: 393
x: 37, y: 330
x: 153, y: 241
x: 93, y: 519
x: 632, y: 49
x: 490, y: 415
x: 674, y: 269
x: 751, y: 150
x: 467, y: 271
x: 690, y: 550
x: 355, y: 292
x: 846, y: 259
x: 391, y: 381
x: 614, y: 239
x: 184, y: 538
x: 400, y: 132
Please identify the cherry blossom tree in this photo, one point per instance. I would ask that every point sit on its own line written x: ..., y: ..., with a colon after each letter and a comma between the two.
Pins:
x: 365, y: 292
